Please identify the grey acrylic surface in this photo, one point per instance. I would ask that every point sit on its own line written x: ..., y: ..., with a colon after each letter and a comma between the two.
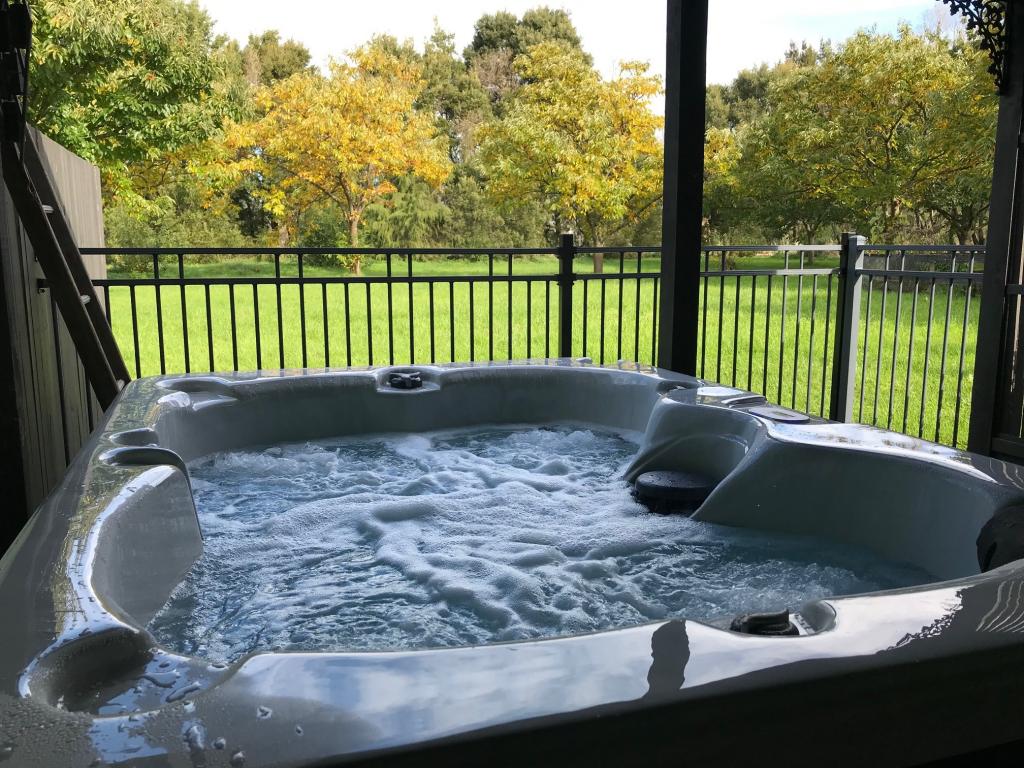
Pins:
x: 107, y: 548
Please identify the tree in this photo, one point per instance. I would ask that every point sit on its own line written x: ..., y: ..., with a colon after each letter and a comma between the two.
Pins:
x: 964, y: 120
x: 497, y: 75
x: 716, y: 109
x: 451, y: 92
x: 747, y: 97
x: 180, y: 217
x: 474, y: 221
x: 502, y: 31
x: 493, y: 32
x: 544, y: 25
x: 586, y: 148
x: 499, y: 38
x: 875, y: 129
x: 267, y: 59
x: 344, y: 139
x: 119, y: 82
x: 408, y: 218
x: 721, y: 155
x: 778, y: 195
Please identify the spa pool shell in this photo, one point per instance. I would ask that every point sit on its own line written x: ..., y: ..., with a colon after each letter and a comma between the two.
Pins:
x: 898, y: 677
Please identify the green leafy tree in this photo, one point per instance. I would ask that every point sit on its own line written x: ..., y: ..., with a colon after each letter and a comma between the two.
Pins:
x: 409, y: 218
x: 777, y: 195
x: 721, y: 156
x: 452, y: 93
x: 716, y: 108
x: 499, y: 38
x: 545, y: 25
x: 746, y: 98
x: 494, y: 32
x: 964, y: 132
x: 178, y: 219
x: 474, y: 221
x: 503, y: 31
x: 120, y: 82
x: 267, y: 59
x: 873, y: 130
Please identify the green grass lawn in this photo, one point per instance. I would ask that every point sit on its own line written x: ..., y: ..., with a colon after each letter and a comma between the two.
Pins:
x: 775, y: 336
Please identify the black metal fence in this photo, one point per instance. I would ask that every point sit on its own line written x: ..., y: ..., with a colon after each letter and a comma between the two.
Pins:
x: 916, y: 338
x: 882, y: 334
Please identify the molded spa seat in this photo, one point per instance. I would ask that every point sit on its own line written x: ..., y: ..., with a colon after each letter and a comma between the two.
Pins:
x: 668, y: 492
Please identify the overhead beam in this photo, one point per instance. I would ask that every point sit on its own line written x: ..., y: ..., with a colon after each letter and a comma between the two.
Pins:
x: 682, y: 214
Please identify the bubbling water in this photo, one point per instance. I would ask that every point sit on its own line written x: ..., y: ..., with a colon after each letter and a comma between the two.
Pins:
x: 460, y: 538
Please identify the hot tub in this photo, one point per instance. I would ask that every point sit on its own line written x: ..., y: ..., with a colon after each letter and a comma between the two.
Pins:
x: 896, y: 677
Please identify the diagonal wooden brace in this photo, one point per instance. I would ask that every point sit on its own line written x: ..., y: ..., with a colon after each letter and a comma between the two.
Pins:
x: 68, y: 293
x: 47, y: 193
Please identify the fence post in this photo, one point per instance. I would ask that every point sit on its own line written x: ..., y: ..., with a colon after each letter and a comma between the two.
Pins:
x: 566, y: 254
x: 844, y: 359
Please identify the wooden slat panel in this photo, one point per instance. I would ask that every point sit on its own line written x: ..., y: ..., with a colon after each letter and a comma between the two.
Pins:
x: 33, y: 448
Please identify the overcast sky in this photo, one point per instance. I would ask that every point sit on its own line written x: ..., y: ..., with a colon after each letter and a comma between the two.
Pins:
x: 741, y: 32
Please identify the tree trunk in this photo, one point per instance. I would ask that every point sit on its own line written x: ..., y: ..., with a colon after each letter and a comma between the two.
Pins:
x: 283, y: 237
x: 353, y: 242
x: 597, y: 258
x: 810, y: 232
x: 892, y: 214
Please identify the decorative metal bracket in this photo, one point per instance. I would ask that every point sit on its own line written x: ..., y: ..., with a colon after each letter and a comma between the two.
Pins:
x: 986, y: 19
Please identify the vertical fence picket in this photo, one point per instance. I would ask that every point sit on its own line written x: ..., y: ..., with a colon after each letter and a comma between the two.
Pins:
x: 796, y: 340
x: 327, y: 328
x: 209, y: 328
x: 302, y: 312
x: 280, y: 310
x: 159, y: 313
x: 184, y: 313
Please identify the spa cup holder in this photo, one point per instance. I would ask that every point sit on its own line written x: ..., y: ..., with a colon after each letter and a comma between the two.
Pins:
x: 406, y: 380
x: 765, y: 624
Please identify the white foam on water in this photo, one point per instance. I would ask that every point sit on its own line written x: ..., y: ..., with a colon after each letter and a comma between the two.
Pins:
x: 469, y: 537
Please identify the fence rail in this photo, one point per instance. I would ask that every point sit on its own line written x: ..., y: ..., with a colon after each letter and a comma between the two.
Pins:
x: 882, y: 334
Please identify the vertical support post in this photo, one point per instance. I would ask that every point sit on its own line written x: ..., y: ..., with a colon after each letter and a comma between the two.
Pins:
x: 998, y: 343
x: 844, y: 359
x: 566, y: 277
x: 12, y: 439
x: 682, y: 212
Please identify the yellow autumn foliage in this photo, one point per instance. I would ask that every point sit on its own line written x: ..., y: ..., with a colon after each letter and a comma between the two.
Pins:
x: 345, y: 138
x: 588, y: 147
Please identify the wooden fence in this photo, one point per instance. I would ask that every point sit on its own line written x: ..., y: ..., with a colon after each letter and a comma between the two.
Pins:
x: 41, y: 396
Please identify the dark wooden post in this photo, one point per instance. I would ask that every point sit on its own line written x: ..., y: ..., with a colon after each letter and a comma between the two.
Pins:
x: 844, y: 357
x: 12, y: 442
x: 996, y: 350
x: 566, y: 277
x: 682, y: 216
